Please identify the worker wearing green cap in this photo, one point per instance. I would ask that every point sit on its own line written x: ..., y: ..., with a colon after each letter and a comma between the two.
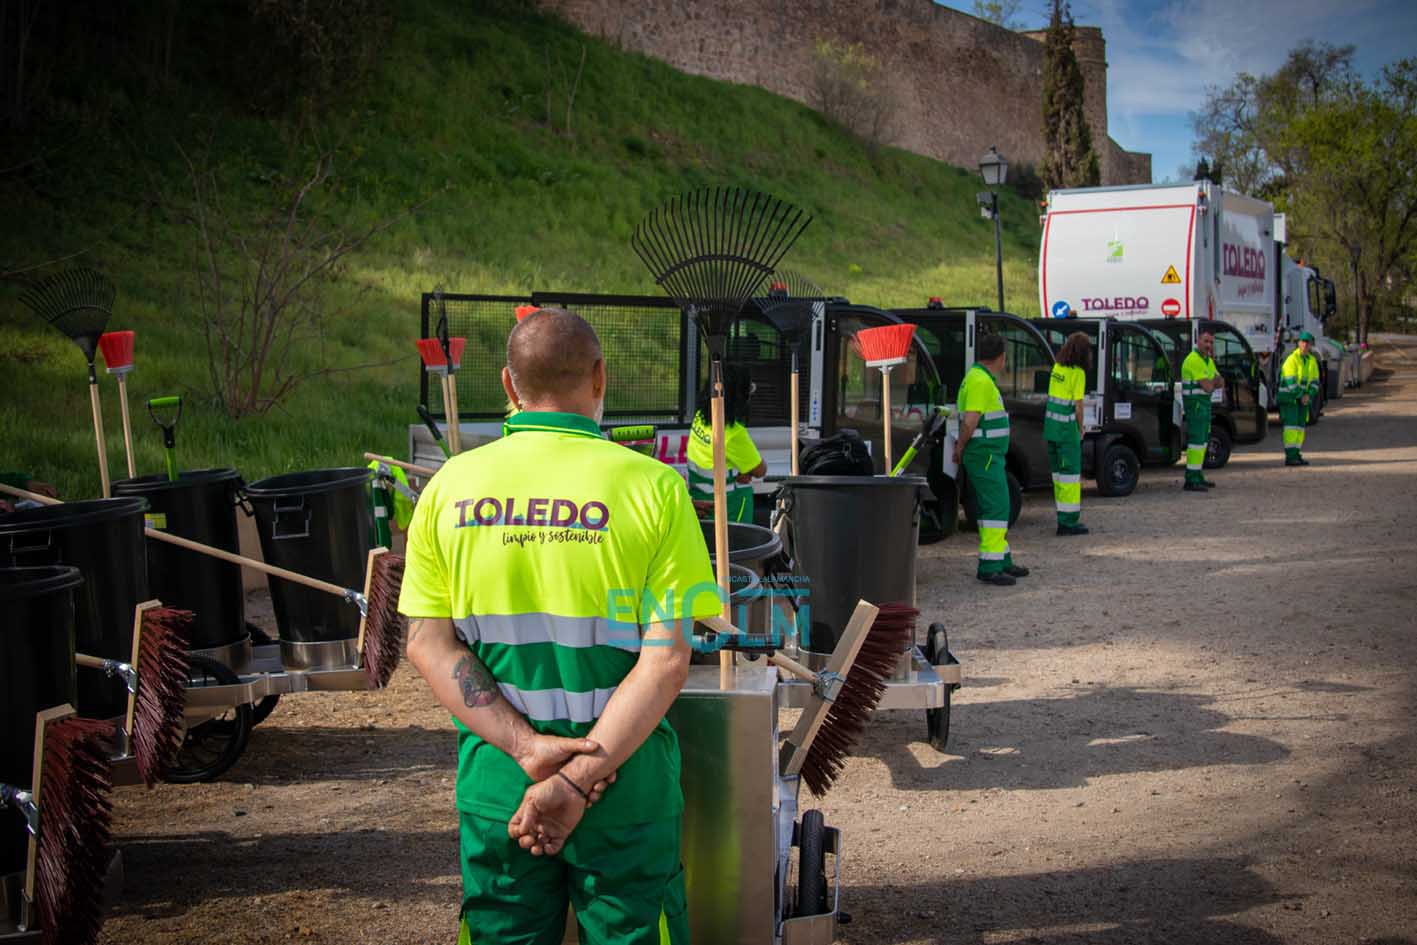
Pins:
x: 1298, y: 385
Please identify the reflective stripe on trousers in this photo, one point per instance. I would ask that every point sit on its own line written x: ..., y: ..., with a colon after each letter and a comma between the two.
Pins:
x: 1065, y: 460
x: 991, y: 493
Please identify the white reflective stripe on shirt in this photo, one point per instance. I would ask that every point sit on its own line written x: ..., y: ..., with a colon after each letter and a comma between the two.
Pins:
x: 557, y: 705
x: 521, y: 629
x: 996, y: 415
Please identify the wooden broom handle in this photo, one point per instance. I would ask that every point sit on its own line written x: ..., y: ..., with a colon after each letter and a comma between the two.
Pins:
x: 796, y: 416
x: 98, y: 436
x: 409, y: 467
x: 454, y: 419
x: 200, y: 548
x: 127, y: 426
x: 720, y: 517
x: 454, y: 439
x: 886, y: 420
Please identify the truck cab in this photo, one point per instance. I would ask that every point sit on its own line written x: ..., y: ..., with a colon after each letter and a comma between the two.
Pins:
x: 657, y: 362
x: 949, y: 335
x: 1308, y: 303
x: 1240, y: 411
x: 1131, y: 412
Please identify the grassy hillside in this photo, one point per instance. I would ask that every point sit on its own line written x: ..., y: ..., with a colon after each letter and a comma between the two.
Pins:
x: 455, y: 114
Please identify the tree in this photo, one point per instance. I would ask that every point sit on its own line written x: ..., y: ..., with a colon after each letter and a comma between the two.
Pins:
x: 1352, y: 182
x: 1068, y: 159
x: 850, y: 87
x: 1202, y: 170
x: 1000, y: 12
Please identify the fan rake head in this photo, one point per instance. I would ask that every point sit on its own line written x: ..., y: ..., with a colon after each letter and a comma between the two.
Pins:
x: 789, y: 302
x: 711, y: 249
x: 77, y: 302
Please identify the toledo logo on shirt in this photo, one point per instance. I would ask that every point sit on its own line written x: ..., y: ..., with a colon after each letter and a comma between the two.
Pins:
x: 537, y: 520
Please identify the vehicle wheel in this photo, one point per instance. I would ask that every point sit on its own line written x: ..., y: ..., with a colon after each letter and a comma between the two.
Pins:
x: 812, y: 864
x: 213, y: 746
x: 970, y: 504
x: 1120, y: 471
x: 937, y: 653
x: 261, y: 710
x: 1217, y: 451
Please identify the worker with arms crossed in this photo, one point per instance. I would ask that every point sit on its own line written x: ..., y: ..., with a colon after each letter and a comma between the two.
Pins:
x: 1298, y: 386
x: 1199, y: 378
x: 744, y: 462
x: 982, y: 445
x: 551, y: 580
x: 1062, y: 430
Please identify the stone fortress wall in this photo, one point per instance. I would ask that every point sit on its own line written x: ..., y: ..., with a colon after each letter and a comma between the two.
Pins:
x: 962, y: 84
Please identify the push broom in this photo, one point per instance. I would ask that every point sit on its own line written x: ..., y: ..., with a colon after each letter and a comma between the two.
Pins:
x: 380, y: 625
x: 117, y: 348
x: 78, y: 303
x: 67, y: 813
x: 156, y: 679
x: 710, y: 250
x: 886, y: 347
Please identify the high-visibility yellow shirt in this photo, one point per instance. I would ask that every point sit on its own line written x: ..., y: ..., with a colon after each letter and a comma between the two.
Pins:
x: 1066, y: 386
x: 979, y: 394
x: 1298, y: 377
x: 549, y: 549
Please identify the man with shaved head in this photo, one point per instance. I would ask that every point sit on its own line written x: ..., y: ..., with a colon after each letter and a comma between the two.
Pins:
x: 552, y: 577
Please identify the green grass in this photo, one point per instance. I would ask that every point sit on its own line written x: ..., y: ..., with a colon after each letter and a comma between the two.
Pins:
x: 455, y: 114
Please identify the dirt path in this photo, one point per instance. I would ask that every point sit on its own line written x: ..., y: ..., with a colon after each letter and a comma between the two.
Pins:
x: 1192, y: 726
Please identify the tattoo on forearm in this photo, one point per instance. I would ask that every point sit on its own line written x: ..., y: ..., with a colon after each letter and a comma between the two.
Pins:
x: 479, y: 689
x: 414, y: 626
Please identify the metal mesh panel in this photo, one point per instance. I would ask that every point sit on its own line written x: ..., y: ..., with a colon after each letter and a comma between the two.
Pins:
x: 640, y: 337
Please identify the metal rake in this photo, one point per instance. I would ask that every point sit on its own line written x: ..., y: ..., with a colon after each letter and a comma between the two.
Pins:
x: 76, y: 302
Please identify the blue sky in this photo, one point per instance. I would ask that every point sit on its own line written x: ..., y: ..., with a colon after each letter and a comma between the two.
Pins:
x: 1162, y: 54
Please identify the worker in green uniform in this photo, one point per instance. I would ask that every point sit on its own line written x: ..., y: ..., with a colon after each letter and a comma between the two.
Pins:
x: 550, y: 583
x: 1199, y: 378
x: 1298, y: 386
x: 1063, y: 428
x: 981, y: 447
x: 744, y: 462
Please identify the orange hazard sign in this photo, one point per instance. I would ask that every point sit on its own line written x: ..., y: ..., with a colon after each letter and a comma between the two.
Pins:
x: 1171, y: 277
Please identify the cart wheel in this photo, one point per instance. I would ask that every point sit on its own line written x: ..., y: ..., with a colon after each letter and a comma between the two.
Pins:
x: 812, y: 865
x: 261, y: 710
x: 213, y: 746
x: 937, y: 653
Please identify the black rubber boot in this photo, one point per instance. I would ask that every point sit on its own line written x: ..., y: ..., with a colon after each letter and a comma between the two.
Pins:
x: 1072, y: 529
x: 1194, y: 487
x: 1016, y: 570
x: 999, y: 578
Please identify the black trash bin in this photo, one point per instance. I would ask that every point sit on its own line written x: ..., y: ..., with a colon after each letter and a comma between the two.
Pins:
x: 319, y: 524
x: 752, y: 546
x: 36, y: 673
x: 103, y: 538
x: 200, y: 505
x: 853, y: 538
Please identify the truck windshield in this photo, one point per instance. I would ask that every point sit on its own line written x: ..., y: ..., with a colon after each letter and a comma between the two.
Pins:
x: 944, y: 339
x: 1316, y: 307
x: 1231, y: 355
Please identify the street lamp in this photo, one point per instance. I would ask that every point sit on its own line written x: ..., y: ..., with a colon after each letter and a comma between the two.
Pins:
x: 994, y: 167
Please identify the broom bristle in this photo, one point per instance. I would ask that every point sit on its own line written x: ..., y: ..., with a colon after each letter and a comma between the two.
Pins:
x: 162, y: 689
x: 524, y: 310
x: 74, y: 820
x: 885, y: 345
x: 117, y: 348
x: 455, y: 350
x: 384, y: 625
x: 865, y: 683
x: 432, y: 354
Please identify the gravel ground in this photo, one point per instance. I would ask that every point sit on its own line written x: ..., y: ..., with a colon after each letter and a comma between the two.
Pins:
x: 1193, y: 725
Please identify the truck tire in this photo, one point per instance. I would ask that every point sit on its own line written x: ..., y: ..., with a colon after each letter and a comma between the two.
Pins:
x: 1119, y: 472
x: 1217, y: 451
x: 970, y: 505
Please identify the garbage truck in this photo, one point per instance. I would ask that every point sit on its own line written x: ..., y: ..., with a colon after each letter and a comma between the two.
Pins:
x: 1188, y: 251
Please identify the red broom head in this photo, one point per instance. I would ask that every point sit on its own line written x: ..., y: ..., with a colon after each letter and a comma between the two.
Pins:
x: 524, y: 310
x: 885, y: 346
x: 383, y: 624
x: 117, y: 348
x: 162, y: 689
x: 876, y: 662
x: 432, y: 354
x: 455, y: 348
x: 74, y: 817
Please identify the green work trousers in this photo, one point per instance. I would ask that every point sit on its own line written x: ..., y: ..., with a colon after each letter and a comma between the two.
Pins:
x: 1295, y: 417
x: 740, y: 497
x: 626, y: 885
x: 991, y: 492
x: 1197, y: 437
x: 1065, y: 460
